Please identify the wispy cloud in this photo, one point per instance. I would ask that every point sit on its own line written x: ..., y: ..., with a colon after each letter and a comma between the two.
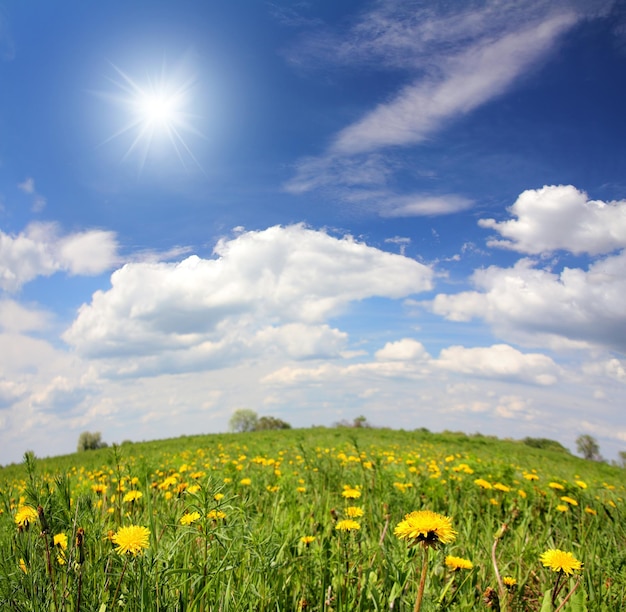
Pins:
x: 477, y: 74
x: 455, y: 61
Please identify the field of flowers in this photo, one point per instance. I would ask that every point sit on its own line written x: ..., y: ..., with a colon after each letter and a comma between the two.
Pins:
x: 320, y: 519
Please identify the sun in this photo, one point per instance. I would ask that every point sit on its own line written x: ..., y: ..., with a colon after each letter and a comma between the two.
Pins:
x: 157, y: 109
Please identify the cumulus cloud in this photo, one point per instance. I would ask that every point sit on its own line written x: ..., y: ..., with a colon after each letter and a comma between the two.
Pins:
x: 277, y: 287
x: 402, y: 350
x: 41, y: 250
x: 561, y: 217
x: 499, y: 361
x: 536, y: 305
x: 407, y: 358
x: 60, y: 395
x: 11, y: 392
x: 15, y: 317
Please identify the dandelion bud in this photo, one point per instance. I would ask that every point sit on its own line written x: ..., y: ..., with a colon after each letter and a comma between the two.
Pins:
x: 80, y: 541
x: 42, y: 520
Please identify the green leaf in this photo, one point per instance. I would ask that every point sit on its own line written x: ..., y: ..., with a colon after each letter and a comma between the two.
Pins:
x: 546, y: 605
x: 578, y: 602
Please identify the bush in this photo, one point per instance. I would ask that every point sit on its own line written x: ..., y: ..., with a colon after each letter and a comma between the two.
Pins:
x: 545, y: 444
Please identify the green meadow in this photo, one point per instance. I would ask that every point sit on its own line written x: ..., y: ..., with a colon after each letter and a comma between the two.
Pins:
x: 306, y: 520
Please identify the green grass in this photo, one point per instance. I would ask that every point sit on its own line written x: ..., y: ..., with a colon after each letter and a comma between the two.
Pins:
x: 245, y: 551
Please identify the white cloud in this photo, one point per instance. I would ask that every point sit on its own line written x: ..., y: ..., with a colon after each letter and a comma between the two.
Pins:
x: 407, y: 358
x: 526, y: 303
x: 419, y: 205
x: 267, y: 289
x: 402, y: 350
x: 612, y: 368
x: 457, y: 59
x: 11, y: 392
x: 561, y: 217
x: 483, y: 70
x: 28, y: 186
x: 515, y: 407
x: 40, y: 250
x: 499, y: 361
x: 15, y: 317
x: 60, y: 395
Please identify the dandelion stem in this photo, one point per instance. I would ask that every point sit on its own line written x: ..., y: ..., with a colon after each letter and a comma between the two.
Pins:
x: 568, y: 595
x: 420, y: 591
x: 119, y: 584
x: 556, y: 589
x: 501, y: 590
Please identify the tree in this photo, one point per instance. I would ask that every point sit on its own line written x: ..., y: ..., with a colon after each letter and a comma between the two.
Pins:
x: 270, y: 422
x: 90, y: 441
x: 588, y: 447
x: 622, y: 458
x: 243, y: 420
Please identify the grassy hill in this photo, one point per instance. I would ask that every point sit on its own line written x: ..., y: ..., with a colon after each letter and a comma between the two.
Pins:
x: 305, y: 520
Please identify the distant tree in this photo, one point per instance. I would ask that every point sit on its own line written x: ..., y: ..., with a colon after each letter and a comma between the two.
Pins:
x: 270, y: 422
x: 357, y: 423
x: 588, y: 447
x: 90, y: 441
x: 360, y: 422
x: 622, y: 459
x: 243, y: 420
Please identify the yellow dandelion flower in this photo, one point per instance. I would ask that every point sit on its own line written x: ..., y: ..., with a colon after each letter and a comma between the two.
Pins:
x: 427, y: 527
x: 347, y: 525
x: 484, y: 484
x: 354, y: 511
x: 24, y: 516
x: 351, y: 492
x: 560, y: 561
x: 132, y: 496
x: 569, y: 500
x: 306, y: 540
x: 501, y: 487
x: 509, y: 581
x: 218, y: 496
x: 562, y: 508
x: 301, y: 489
x: 591, y: 511
x: 457, y: 563
x: 246, y: 482
x: 23, y: 566
x: 99, y: 489
x: 60, y: 540
x: 189, y: 517
x: 168, y: 482
x: 556, y: 485
x: 522, y: 493
x: 216, y: 514
x: 529, y: 476
x: 132, y: 539
x: 581, y: 483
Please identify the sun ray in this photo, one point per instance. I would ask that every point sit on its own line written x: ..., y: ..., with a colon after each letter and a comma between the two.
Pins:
x: 158, y: 110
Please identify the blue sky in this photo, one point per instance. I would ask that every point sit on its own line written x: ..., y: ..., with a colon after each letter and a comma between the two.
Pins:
x: 411, y: 211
